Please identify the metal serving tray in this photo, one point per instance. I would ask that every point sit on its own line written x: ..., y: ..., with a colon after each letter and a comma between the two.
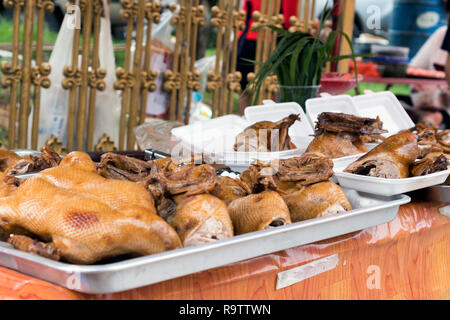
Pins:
x: 369, y: 210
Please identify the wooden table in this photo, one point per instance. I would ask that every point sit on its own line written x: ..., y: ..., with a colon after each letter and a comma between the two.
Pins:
x: 407, y: 258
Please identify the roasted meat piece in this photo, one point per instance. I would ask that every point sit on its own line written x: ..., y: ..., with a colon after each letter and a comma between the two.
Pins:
x: 391, y: 159
x: 228, y: 189
x: 258, y: 212
x: 116, y: 166
x: 11, y: 163
x: 443, y: 139
x: 309, y: 168
x: 339, y: 134
x: 432, y: 162
x: 267, y: 136
x: 201, y: 219
x: 316, y: 200
x: 84, y: 217
x: 182, y: 198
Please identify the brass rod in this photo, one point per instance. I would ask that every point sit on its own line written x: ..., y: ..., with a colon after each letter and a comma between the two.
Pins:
x: 176, y: 56
x: 192, y: 54
x: 37, y: 88
x: 14, y: 65
x: 126, y: 90
x: 85, y: 60
x: 27, y: 57
x: 226, y: 58
x: 73, y: 92
x: 147, y: 62
x: 93, y: 87
x: 137, y: 65
x: 184, y: 62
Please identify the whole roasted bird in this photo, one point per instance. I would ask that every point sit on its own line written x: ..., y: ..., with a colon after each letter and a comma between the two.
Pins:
x: 339, y: 134
x: 81, y: 217
x: 303, y: 182
x: 183, y: 199
x: 267, y: 136
x: 390, y: 159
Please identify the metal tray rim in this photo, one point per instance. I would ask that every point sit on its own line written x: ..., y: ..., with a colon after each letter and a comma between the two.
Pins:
x: 139, y: 261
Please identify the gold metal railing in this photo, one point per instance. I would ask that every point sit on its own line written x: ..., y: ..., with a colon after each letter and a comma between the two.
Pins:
x: 135, y: 78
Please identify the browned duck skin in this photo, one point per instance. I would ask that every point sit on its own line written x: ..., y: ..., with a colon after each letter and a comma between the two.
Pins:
x: 341, y: 122
x: 182, y: 200
x: 309, y: 168
x: 337, y: 145
x: 253, y: 137
x: 391, y: 159
x: 258, y: 212
x: 432, y: 162
x: 339, y: 135
x: 443, y: 138
x: 201, y: 218
x: 85, y: 216
x: 316, y: 200
x: 27, y: 244
x: 188, y: 180
x: 115, y: 166
x: 11, y: 163
x: 228, y: 189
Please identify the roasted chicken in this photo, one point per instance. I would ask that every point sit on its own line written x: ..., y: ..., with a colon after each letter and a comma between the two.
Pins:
x: 267, y: 136
x: 338, y: 134
x: 82, y: 217
x: 391, y: 159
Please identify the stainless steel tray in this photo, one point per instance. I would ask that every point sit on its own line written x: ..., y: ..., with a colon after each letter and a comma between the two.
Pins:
x: 369, y: 210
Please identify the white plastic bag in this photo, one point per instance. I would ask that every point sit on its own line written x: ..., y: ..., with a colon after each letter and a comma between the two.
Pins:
x: 55, y: 99
x: 108, y: 102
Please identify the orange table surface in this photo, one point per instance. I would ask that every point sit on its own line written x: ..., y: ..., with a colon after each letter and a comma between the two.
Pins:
x: 407, y: 258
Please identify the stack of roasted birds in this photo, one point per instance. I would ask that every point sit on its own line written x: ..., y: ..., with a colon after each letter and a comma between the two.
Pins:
x: 83, y: 212
x: 339, y: 134
x: 400, y: 156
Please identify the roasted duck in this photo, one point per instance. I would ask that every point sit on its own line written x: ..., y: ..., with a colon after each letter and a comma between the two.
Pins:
x: 430, y: 136
x: 391, y: 159
x: 339, y: 134
x: 302, y: 183
x: 11, y: 163
x: 82, y: 217
x: 115, y: 166
x: 267, y: 136
x: 228, y: 189
x: 303, y: 170
x: 182, y: 198
x: 432, y: 162
x: 316, y: 200
x: 258, y: 212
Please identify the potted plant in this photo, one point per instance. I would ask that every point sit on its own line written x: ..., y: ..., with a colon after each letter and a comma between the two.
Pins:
x: 298, y: 61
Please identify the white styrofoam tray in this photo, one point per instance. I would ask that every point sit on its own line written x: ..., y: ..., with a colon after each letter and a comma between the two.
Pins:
x: 370, y: 105
x: 383, y: 186
x: 216, y: 137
